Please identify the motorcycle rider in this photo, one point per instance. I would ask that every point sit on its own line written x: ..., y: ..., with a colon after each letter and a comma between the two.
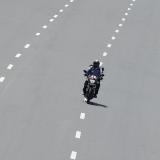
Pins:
x: 97, y: 71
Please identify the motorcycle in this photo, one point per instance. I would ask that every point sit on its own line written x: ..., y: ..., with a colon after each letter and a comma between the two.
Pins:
x: 91, y: 86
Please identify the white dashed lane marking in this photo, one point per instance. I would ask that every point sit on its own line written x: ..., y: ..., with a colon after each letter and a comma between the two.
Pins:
x: 120, y: 25
x: 37, y: 34
x: 66, y: 5
x: 73, y: 155
x: 10, y: 66
x: 105, y: 54
x: 78, y: 134
x: 45, y: 26
x: 18, y: 55
x: 126, y: 14
x: 82, y: 116
x: 27, y: 46
x: 123, y: 19
x: 109, y: 45
x: 2, y: 79
x: 61, y: 10
x: 101, y: 63
x: 51, y: 20
x: 55, y: 16
x: 117, y: 31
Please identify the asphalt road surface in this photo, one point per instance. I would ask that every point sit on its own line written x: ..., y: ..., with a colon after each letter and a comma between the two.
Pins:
x: 43, y: 51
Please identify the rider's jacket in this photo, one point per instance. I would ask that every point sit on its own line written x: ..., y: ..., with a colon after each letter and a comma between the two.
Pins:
x: 94, y: 71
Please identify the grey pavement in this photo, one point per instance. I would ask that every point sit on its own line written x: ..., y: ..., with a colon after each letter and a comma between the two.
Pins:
x: 40, y: 101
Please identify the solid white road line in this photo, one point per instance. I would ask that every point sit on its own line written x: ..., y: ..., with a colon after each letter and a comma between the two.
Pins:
x: 2, y: 79
x: 18, y: 55
x: 10, y: 66
x: 27, y: 46
x: 82, y: 116
x: 78, y: 134
x: 73, y: 155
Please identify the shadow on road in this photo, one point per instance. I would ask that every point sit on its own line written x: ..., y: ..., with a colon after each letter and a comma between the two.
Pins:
x: 97, y: 104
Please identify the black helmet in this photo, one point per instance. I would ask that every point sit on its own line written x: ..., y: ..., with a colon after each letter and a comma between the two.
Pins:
x: 96, y: 63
